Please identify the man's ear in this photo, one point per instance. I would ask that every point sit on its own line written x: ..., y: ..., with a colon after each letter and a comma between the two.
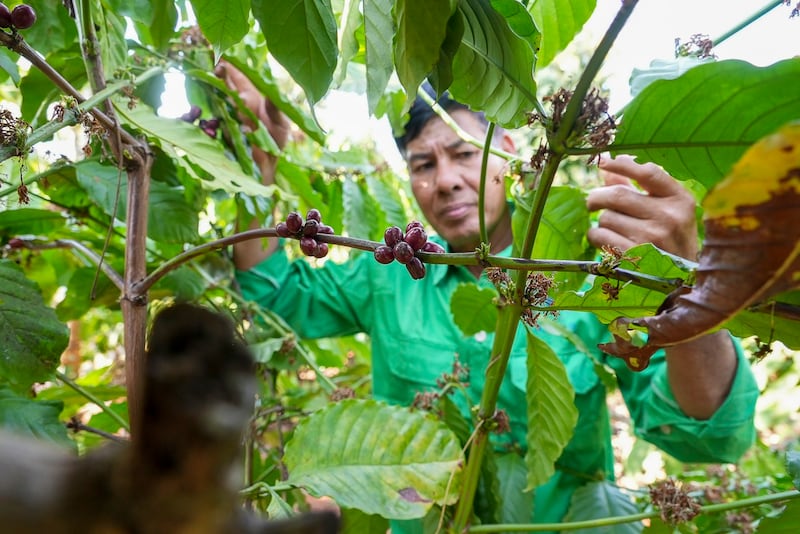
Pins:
x: 507, y: 143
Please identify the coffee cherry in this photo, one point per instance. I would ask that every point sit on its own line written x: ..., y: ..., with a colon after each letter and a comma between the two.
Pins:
x: 392, y: 236
x: 325, y: 229
x: 416, y: 237
x: 413, y: 224
x: 416, y: 268
x: 294, y: 222
x: 308, y: 245
x: 384, y: 254
x: 282, y: 230
x: 192, y: 115
x: 321, y: 250
x: 16, y: 242
x: 430, y: 246
x: 403, y: 252
x: 5, y: 17
x: 23, y: 16
x: 310, y: 228
x: 314, y: 215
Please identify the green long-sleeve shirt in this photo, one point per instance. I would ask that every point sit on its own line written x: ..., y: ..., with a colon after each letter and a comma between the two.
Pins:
x: 414, y: 341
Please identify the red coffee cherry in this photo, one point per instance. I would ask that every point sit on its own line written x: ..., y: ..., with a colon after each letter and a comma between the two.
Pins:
x: 23, y: 16
x: 5, y: 17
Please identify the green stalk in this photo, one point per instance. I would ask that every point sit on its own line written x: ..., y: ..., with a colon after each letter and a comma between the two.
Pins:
x: 100, y: 404
x: 608, y: 521
x: 749, y: 20
x: 482, y: 186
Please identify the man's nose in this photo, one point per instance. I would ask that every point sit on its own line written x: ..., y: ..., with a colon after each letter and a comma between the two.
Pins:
x: 448, y: 175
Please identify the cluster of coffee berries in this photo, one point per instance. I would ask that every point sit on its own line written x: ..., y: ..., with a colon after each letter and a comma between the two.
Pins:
x: 21, y: 17
x: 404, y: 246
x: 306, y: 231
x: 209, y: 126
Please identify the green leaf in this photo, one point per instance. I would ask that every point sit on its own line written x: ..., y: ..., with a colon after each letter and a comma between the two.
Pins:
x: 79, y: 294
x: 30, y: 221
x: 8, y: 62
x: 35, y: 419
x: 552, y: 415
x: 493, y: 68
x: 100, y: 182
x: 54, y: 29
x: 474, y: 309
x: 793, y: 467
x: 187, y: 143
x: 38, y: 91
x: 378, y: 23
x: 602, y: 499
x: 111, y: 39
x: 31, y: 337
x: 357, y: 522
x: 421, y: 30
x: 786, y: 523
x: 301, y: 35
x: 223, y: 23
x: 359, y: 210
x: 633, y: 300
x: 183, y: 283
x: 442, y: 75
x: 137, y: 10
x: 345, y: 452
x: 698, y: 125
x: 348, y: 41
x: 160, y: 29
x: 559, y: 23
x: 562, y: 231
x: 517, y: 504
x: 663, y: 69
x: 519, y: 19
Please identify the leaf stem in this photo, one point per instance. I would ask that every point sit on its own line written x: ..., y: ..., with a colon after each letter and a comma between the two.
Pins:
x: 100, y: 404
x: 607, y: 521
x: 482, y: 185
x: 749, y: 20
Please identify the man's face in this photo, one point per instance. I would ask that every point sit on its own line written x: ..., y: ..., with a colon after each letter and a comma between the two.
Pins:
x: 445, y: 176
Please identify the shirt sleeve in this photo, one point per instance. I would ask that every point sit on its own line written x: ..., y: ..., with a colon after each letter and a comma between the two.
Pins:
x: 657, y: 417
x: 331, y: 300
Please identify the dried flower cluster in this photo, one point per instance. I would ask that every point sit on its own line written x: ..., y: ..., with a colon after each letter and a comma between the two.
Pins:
x: 674, y: 502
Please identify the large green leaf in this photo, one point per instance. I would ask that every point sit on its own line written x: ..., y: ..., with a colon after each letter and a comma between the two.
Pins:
x: 100, y: 182
x: 357, y: 522
x: 519, y: 20
x: 786, y: 523
x: 111, y: 40
x: 36, y: 419
x: 360, y: 215
x: 699, y: 124
x: 351, y: 21
x: 344, y: 451
x: 552, y: 415
x: 31, y: 338
x: 562, y: 231
x: 378, y: 23
x: 559, y: 21
x: 474, y: 309
x: 598, y: 500
x: 301, y: 35
x: 85, y: 291
x: 160, y: 29
x: 223, y: 23
x: 186, y: 142
x: 493, y: 68
x: 54, y: 29
x: 30, y: 221
x: 421, y: 30
x: 516, y: 503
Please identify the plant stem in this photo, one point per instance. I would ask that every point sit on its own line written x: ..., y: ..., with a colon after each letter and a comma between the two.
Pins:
x: 482, y: 185
x: 749, y: 20
x: 607, y: 521
x: 100, y: 404
x: 87, y: 253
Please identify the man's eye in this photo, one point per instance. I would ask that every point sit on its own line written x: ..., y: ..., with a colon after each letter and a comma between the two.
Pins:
x: 422, y: 167
x: 466, y: 154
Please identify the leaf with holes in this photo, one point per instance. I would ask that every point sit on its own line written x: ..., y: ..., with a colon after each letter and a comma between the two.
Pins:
x: 344, y: 451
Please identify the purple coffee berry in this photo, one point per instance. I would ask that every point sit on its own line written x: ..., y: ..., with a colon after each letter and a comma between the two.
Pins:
x: 384, y: 254
x: 212, y: 123
x: 308, y: 245
x: 192, y: 115
x: 392, y: 236
x: 325, y: 229
x: 282, y: 229
x: 416, y: 237
x: 314, y: 215
x: 413, y: 224
x: 310, y: 228
x: 5, y: 17
x: 294, y: 221
x: 23, y: 16
x: 321, y: 250
x: 416, y: 268
x: 403, y: 252
x: 430, y: 246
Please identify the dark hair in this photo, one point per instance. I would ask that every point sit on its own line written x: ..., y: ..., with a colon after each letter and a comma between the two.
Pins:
x: 421, y: 113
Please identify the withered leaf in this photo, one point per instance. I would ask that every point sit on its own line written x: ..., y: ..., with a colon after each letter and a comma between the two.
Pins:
x: 751, y: 251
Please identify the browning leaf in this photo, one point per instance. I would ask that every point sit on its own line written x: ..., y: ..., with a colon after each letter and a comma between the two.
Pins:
x: 751, y: 251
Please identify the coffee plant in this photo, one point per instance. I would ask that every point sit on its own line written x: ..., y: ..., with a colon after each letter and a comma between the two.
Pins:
x: 95, y: 241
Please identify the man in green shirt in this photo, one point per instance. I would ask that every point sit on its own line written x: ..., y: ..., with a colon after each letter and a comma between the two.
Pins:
x: 695, y: 401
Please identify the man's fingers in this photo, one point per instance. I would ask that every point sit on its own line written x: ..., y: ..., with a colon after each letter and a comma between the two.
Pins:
x: 600, y: 237
x: 619, y: 198
x: 649, y: 176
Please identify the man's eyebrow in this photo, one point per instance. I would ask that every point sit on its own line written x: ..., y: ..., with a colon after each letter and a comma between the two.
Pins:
x: 425, y: 155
